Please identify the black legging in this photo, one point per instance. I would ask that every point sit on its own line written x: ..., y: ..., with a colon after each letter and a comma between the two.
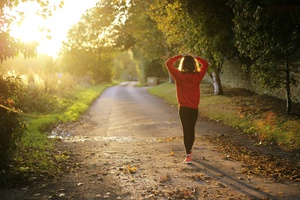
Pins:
x: 188, y: 118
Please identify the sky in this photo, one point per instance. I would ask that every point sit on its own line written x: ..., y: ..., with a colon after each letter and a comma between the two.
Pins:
x: 59, y: 23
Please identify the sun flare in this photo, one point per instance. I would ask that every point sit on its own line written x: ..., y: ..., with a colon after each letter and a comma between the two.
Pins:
x: 27, y: 31
x: 49, y: 32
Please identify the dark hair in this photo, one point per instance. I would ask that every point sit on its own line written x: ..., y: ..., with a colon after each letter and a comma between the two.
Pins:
x: 188, y: 65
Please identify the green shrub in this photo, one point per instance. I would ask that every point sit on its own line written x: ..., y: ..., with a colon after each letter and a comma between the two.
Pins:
x: 11, y: 128
x: 39, y: 102
x: 12, y: 123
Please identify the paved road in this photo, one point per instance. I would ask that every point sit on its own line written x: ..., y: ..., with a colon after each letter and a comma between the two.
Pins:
x: 127, y: 109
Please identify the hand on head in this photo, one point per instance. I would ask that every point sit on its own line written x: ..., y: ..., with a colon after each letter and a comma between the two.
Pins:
x: 189, y: 54
x: 184, y: 54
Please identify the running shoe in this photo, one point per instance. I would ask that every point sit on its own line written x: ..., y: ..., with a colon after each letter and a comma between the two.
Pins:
x: 188, y: 159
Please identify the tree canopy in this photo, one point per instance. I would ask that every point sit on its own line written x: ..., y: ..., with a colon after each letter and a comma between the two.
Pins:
x: 268, y: 32
x: 140, y: 34
x: 89, y: 46
x: 201, y: 27
x: 9, y: 46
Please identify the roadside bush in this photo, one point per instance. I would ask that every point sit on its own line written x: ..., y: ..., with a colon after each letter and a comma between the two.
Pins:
x: 39, y: 102
x: 47, y: 93
x: 12, y: 124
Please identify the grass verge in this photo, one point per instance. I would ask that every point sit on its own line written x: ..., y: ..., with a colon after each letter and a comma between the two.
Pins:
x: 260, y: 116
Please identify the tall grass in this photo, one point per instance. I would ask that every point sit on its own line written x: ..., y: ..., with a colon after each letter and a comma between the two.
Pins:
x: 266, y: 125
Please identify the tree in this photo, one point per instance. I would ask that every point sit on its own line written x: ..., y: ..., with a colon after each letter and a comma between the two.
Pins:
x: 268, y: 33
x: 173, y: 22
x: 201, y: 27
x: 213, y: 33
x: 89, y: 46
x: 140, y: 34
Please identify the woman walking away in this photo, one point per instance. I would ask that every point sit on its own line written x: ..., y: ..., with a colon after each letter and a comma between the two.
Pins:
x: 187, y: 78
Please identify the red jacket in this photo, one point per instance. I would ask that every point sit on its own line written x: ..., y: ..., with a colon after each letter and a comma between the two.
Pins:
x: 187, y: 84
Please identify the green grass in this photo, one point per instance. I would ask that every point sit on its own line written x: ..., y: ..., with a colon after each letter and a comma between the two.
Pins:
x: 243, y: 113
x: 165, y: 91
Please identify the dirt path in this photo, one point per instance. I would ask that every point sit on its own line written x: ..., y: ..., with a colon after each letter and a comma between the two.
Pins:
x: 129, y: 146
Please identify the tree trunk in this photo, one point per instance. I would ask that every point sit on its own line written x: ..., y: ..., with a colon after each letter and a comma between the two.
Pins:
x: 218, y: 90
x: 171, y: 80
x: 288, y: 87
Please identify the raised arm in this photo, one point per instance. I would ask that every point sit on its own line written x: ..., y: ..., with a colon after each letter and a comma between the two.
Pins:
x: 170, y: 65
x: 203, y: 62
x: 170, y: 62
